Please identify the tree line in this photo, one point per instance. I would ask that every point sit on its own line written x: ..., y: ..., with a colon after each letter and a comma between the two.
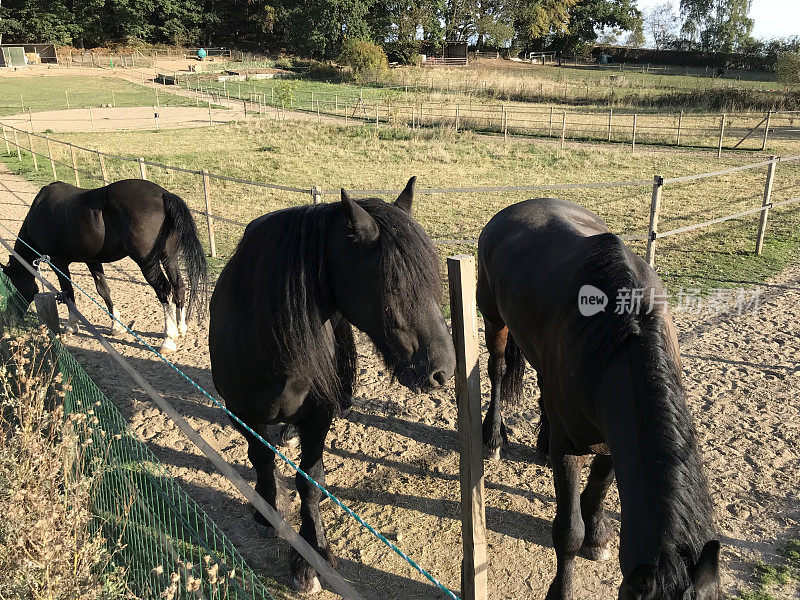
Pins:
x: 404, y: 28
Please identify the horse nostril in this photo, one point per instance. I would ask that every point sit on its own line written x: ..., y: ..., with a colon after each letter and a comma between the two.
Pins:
x: 438, y: 378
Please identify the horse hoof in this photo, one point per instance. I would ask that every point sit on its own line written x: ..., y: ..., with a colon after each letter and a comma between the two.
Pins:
x: 117, y: 329
x: 595, y: 553
x: 313, y: 586
x: 492, y: 454
x: 70, y: 329
x: 168, y: 346
x: 266, y: 531
x: 182, y: 332
x: 289, y: 436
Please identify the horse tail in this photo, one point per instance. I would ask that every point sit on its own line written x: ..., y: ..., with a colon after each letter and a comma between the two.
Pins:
x: 178, y: 219
x: 515, y: 371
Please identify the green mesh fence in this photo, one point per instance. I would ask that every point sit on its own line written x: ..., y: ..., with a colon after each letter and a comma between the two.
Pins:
x: 168, y: 545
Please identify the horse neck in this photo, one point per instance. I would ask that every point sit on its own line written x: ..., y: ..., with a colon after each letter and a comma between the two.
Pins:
x: 665, y: 505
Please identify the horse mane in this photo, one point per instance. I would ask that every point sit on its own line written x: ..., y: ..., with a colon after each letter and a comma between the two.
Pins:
x: 680, y: 502
x: 282, y: 293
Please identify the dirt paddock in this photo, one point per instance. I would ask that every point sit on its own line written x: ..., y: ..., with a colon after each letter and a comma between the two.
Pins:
x: 394, y: 458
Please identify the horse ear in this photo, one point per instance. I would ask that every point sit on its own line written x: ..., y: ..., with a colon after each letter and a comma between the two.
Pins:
x: 363, y: 226
x: 406, y: 197
x: 639, y: 584
x: 706, y: 571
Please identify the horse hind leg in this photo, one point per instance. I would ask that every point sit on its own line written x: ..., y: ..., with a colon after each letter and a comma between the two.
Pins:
x: 494, y: 434
x: 597, y: 541
x: 173, y: 272
x: 268, y: 484
x: 101, y: 284
x: 155, y: 277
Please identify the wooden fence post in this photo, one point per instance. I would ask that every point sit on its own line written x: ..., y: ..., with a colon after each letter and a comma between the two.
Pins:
x: 316, y: 195
x: 47, y: 310
x: 16, y: 143
x: 762, y: 223
x: 209, y: 219
x: 563, y: 128
x: 52, y: 162
x: 5, y: 139
x: 33, y: 154
x: 633, y: 138
x: 458, y: 116
x: 655, y: 209
x: 474, y: 568
x: 75, y: 166
x: 91, y: 118
x: 102, y: 167
x: 505, y: 124
x: 721, y: 134
x: 550, y: 130
x: 610, y: 117
x: 766, y: 130
x: 680, y: 125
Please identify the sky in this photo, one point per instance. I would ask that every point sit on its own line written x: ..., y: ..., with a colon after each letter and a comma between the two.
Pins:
x: 773, y: 18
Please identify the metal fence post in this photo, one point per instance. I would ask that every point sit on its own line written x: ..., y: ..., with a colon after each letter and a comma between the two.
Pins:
x: 474, y: 568
x: 102, y: 167
x: 766, y: 204
x: 75, y: 165
x: 50, y: 155
x: 209, y: 219
x: 33, y: 154
x: 655, y: 209
x: 721, y: 134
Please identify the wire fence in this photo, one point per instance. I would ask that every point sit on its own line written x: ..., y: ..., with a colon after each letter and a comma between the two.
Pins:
x: 152, y: 527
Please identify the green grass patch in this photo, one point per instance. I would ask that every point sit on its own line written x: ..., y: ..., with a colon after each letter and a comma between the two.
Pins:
x: 770, y: 578
x: 17, y: 94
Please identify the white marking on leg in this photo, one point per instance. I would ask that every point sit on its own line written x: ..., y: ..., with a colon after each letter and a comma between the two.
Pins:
x: 170, y: 329
x: 72, y: 323
x: 116, y: 323
x: 182, y: 327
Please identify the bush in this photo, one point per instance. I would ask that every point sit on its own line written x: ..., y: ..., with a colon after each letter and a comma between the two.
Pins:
x: 787, y: 69
x: 363, y: 57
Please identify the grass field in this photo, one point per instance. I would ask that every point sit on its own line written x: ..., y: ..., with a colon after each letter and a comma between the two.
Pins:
x: 305, y: 154
x: 53, y: 93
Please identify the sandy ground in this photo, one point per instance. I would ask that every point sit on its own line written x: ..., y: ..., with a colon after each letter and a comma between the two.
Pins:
x: 394, y: 458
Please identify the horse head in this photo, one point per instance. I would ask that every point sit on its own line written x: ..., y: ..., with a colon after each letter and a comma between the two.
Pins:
x: 702, y: 581
x: 22, y: 279
x: 384, y: 278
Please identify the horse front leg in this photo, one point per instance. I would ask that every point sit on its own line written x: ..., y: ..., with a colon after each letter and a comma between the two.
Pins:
x: 268, y: 485
x: 568, y: 528
x: 312, y: 441
x: 100, y: 283
x: 494, y: 435
x: 598, y: 530
x: 65, y: 282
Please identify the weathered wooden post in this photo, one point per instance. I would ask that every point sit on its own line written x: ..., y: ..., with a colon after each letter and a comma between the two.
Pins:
x: 610, y: 118
x: 458, y: 116
x: 766, y: 130
x: 633, y: 137
x: 505, y: 124
x: 142, y: 168
x: 5, y: 139
x: 767, y: 202
x: 47, y: 310
x: 91, y: 118
x: 50, y: 155
x: 33, y: 153
x: 721, y: 134
x: 680, y: 124
x: 102, y: 167
x: 75, y: 165
x: 474, y: 568
x: 563, y: 128
x: 655, y: 209
x: 316, y: 195
x: 16, y: 143
x: 209, y: 219
x: 550, y: 131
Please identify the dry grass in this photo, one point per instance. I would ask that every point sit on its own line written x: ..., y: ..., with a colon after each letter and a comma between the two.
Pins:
x: 50, y: 547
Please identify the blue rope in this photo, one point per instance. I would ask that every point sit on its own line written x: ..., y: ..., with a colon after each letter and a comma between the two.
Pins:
x: 287, y: 460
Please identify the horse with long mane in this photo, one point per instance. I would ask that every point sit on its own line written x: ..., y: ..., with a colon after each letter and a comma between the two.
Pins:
x: 132, y: 217
x: 556, y: 288
x: 281, y: 342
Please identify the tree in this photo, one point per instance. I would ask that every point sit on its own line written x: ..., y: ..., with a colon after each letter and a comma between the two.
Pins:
x: 716, y: 25
x: 589, y: 16
x: 636, y: 38
x: 534, y: 20
x: 787, y: 69
x: 662, y: 24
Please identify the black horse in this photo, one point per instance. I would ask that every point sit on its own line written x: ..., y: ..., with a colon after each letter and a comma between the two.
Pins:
x: 132, y: 217
x: 280, y: 338
x: 557, y: 289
